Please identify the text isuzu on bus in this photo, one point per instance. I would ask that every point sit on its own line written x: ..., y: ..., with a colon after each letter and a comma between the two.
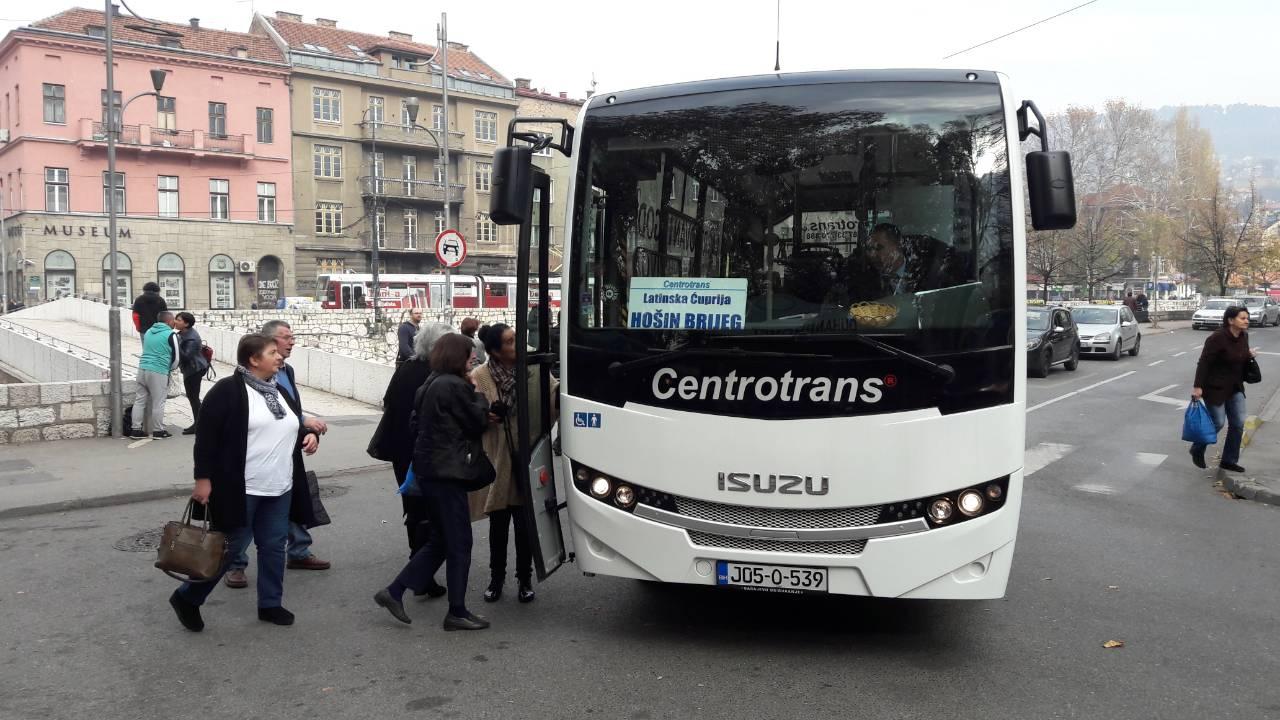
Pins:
x: 791, y: 355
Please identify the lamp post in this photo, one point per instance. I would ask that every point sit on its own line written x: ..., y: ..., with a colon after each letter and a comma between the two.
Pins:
x: 114, y: 118
x: 373, y: 236
x: 442, y: 148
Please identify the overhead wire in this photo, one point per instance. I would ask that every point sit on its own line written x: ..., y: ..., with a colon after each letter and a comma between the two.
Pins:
x: 1027, y: 27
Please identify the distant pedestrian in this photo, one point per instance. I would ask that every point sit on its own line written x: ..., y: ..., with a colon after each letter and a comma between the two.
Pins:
x: 191, y: 363
x: 470, y: 327
x: 451, y: 418
x: 1220, y: 383
x: 1143, y: 302
x: 408, y: 329
x: 159, y: 358
x: 1131, y: 302
x: 147, y: 307
x: 249, y: 475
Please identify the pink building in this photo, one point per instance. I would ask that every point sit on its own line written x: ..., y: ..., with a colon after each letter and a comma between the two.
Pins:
x: 206, y: 206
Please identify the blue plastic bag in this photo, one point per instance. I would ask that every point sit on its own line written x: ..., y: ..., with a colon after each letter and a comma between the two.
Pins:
x: 1197, y: 424
x: 410, y: 486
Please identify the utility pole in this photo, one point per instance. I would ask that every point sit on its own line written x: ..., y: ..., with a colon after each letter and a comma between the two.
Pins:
x: 4, y: 262
x: 444, y: 93
x: 113, y: 316
x: 373, y: 236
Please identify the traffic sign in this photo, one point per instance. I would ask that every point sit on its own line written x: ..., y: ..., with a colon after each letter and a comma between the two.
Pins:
x: 451, y: 248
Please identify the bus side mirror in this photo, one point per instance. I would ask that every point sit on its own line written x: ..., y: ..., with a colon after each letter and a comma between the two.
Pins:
x: 1051, y: 190
x: 512, y: 185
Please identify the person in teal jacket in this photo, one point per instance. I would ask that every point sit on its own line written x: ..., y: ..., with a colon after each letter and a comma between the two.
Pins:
x: 159, y: 358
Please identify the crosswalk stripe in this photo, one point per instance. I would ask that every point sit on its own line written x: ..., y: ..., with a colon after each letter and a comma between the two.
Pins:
x: 1154, y: 363
x: 1184, y: 352
x: 1043, y: 454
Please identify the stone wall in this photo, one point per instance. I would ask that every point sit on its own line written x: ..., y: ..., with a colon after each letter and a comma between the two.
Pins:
x: 31, y: 412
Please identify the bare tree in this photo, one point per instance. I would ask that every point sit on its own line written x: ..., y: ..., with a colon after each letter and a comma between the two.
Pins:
x: 1047, y: 257
x: 1224, y: 238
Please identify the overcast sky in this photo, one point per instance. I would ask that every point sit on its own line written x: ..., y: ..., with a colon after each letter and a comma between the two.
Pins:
x: 1154, y: 52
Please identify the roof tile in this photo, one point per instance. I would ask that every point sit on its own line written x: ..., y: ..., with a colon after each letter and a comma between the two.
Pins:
x: 202, y: 39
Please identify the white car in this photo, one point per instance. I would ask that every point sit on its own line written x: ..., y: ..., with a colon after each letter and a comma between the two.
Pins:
x: 1107, y: 330
x: 1209, y: 317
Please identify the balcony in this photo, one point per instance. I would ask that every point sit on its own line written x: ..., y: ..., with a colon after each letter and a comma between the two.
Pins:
x: 147, y: 139
x: 424, y: 191
x: 405, y: 136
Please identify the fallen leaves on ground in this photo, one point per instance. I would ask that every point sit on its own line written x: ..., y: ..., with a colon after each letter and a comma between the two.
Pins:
x: 1113, y: 644
x: 1227, y: 495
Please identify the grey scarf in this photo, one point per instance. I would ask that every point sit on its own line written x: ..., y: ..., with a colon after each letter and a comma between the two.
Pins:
x: 270, y: 392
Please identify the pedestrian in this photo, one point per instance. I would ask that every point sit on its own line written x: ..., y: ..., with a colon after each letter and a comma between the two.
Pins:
x: 191, y: 363
x: 496, y: 380
x: 1131, y: 302
x: 1220, y: 383
x: 469, y: 327
x: 396, y: 438
x: 147, y: 307
x: 1143, y: 301
x: 159, y: 358
x: 249, y: 475
x: 299, y: 554
x: 408, y: 329
x: 452, y: 416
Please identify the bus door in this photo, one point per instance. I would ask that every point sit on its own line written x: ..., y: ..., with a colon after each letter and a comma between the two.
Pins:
x: 522, y: 197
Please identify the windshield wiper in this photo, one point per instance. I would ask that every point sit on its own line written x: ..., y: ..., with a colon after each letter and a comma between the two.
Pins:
x: 620, y: 368
x: 943, y: 371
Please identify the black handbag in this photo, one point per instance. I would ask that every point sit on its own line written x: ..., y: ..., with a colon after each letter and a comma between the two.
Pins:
x: 1252, y: 372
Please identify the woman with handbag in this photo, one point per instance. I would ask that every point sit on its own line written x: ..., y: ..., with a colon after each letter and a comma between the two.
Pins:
x: 496, y: 380
x: 449, y: 462
x: 393, y: 440
x: 249, y: 474
x: 191, y: 363
x: 1220, y: 379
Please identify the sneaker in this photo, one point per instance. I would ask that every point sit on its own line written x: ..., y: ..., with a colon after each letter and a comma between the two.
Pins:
x: 235, y: 579
x: 188, y: 614
x: 161, y: 434
x: 470, y: 622
x: 136, y: 434
x: 1231, y: 467
x: 275, y: 616
x: 395, y: 607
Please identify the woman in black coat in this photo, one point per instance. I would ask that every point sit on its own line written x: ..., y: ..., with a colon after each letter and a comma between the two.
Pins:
x: 249, y: 475
x: 191, y: 363
x: 451, y: 418
x: 1220, y: 383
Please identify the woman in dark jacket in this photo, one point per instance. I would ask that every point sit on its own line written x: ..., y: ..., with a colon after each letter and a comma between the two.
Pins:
x: 191, y: 363
x: 1220, y: 383
x: 451, y: 419
x: 249, y: 474
x: 396, y: 440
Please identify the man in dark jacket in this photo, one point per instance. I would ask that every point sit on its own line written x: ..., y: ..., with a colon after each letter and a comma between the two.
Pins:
x: 147, y: 307
x: 408, y: 329
x: 900, y: 264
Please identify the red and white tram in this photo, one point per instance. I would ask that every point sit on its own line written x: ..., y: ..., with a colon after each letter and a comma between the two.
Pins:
x: 354, y: 290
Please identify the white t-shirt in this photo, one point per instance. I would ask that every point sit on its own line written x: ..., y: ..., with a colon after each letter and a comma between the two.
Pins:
x: 268, y: 463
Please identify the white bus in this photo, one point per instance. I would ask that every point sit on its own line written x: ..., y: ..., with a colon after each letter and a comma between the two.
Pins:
x: 791, y: 352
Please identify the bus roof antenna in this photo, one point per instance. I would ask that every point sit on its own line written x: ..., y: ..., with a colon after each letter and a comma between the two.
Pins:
x: 777, y: 38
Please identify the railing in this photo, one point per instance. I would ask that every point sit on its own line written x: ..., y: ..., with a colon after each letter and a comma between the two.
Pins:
x: 173, y: 138
x: 73, y: 350
x: 401, y: 189
x: 224, y: 143
x: 145, y: 135
x: 389, y: 133
x: 128, y: 133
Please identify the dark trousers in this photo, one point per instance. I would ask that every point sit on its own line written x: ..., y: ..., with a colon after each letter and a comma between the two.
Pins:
x: 267, y: 519
x: 192, y: 385
x: 500, y: 522
x: 449, y: 544
x: 1231, y: 414
x: 417, y: 521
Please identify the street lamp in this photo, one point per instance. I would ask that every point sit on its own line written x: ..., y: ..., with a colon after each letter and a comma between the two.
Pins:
x: 373, y: 236
x: 114, y: 118
x: 442, y: 149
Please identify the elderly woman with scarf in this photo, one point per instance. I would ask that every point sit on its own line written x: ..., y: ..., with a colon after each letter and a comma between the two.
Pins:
x: 249, y: 474
x: 496, y: 380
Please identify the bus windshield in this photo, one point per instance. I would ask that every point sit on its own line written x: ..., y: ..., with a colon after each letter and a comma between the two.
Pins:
x: 870, y: 207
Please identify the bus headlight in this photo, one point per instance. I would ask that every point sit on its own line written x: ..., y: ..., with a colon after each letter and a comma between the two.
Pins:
x: 600, y: 487
x: 624, y: 496
x: 970, y: 502
x: 617, y: 493
x: 994, y: 492
x: 940, y: 510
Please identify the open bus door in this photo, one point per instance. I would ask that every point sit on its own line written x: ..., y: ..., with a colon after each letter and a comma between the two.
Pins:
x: 515, y: 181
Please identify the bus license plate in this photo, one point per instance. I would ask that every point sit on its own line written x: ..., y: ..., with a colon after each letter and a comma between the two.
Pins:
x: 771, y: 578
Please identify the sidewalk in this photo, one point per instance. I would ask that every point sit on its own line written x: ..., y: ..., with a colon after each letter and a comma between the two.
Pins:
x: 1261, y: 459
x: 71, y: 474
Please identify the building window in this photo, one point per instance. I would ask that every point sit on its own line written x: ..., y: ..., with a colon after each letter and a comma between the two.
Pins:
x: 266, y: 125
x: 486, y: 126
x: 220, y: 199
x: 411, y: 229
x: 218, y: 119
x: 96, y: 31
x: 437, y: 117
x: 328, y: 218
x: 55, y: 104
x: 484, y: 229
x: 409, y: 172
x: 380, y: 227
x: 167, y: 189
x: 328, y: 161
x: 484, y: 173
x: 119, y: 193
x: 439, y: 169
x: 59, y: 275
x: 222, y: 282
x: 172, y: 276
x: 266, y: 202
x: 57, y: 190
x: 124, y: 278
x: 439, y: 222
x: 378, y: 166
x: 117, y: 109
x: 377, y: 110
x: 326, y: 105
x: 166, y: 113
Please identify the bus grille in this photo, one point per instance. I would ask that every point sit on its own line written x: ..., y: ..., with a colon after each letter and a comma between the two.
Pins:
x: 841, y: 547
x: 784, y: 518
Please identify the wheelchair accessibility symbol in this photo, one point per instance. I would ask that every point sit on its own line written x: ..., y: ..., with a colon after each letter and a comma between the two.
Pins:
x: 586, y: 420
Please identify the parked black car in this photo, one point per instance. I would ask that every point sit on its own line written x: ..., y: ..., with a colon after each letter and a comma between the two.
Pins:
x: 1052, y: 339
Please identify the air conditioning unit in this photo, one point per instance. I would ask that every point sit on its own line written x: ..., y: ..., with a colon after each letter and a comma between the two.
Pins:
x: 248, y: 266
x: 4, y: 135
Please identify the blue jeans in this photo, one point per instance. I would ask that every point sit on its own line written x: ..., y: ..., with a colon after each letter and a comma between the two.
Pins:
x: 267, y: 522
x: 450, y: 541
x: 299, y: 545
x: 1231, y: 414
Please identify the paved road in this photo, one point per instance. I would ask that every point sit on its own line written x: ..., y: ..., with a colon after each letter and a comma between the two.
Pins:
x: 1121, y: 539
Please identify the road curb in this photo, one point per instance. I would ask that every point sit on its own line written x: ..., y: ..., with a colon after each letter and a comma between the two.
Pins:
x: 140, y: 496
x: 1244, y: 487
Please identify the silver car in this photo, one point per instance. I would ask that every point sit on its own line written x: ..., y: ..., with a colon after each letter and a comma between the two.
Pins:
x: 1108, y: 330
x: 1209, y: 317
x: 1263, y: 311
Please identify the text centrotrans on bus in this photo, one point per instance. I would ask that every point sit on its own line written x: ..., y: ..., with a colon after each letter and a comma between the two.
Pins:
x: 790, y: 355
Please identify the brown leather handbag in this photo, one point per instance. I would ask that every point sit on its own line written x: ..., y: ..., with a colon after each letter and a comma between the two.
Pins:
x: 191, y: 553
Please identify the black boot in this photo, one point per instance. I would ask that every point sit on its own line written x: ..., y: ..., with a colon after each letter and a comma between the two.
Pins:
x: 525, y: 593
x: 494, y: 592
